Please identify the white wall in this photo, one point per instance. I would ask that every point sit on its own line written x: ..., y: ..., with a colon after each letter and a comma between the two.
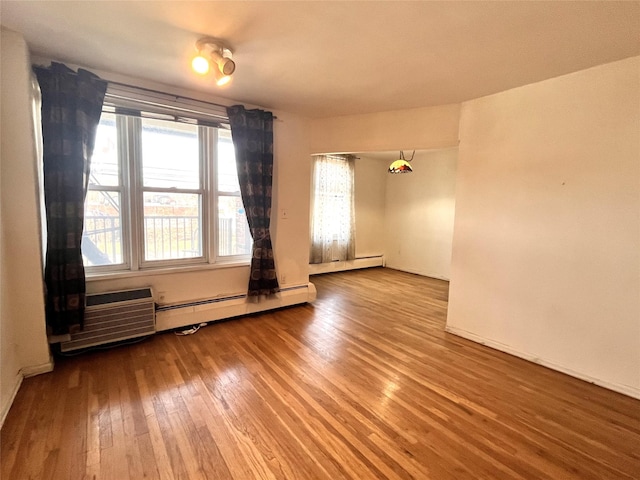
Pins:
x: 408, y: 219
x: 369, y: 202
x: 421, y: 129
x: 292, y: 180
x: 413, y: 129
x: 23, y: 342
x: 419, y: 215
x: 546, y: 250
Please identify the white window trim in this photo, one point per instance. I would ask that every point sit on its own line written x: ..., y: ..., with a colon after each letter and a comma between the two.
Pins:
x: 131, y: 188
x: 149, y: 272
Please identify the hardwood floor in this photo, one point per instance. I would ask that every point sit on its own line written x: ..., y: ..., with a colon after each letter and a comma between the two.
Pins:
x: 364, y: 384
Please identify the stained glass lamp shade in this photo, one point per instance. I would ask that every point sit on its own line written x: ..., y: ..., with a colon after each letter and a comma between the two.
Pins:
x: 401, y: 165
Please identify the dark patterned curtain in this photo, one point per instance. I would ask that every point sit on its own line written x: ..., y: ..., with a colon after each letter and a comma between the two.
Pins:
x: 71, y: 108
x: 252, y: 132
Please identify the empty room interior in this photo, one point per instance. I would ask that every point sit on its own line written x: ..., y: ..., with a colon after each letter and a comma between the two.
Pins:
x: 320, y: 240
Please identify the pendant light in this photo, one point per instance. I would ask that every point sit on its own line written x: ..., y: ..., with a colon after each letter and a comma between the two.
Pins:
x: 401, y: 165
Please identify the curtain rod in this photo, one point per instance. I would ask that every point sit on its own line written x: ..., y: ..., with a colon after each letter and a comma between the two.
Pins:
x: 177, y: 97
x: 151, y: 90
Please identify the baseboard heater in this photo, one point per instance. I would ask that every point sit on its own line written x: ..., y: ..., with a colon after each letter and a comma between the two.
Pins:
x: 179, y: 315
x: 344, y: 265
x: 114, y: 316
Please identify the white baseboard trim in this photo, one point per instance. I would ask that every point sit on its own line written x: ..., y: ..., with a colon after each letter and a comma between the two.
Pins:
x: 624, y: 389
x: 418, y: 272
x: 344, y: 265
x: 177, y: 316
x: 37, y: 369
x: 25, y: 372
x: 7, y: 406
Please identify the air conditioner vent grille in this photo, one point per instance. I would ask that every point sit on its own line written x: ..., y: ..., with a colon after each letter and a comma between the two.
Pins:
x: 113, y: 317
x: 115, y: 297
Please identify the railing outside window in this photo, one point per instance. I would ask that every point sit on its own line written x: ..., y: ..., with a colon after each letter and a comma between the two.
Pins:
x: 167, y: 237
x: 172, y: 237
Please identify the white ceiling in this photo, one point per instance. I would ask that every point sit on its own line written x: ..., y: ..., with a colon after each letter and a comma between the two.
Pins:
x: 334, y: 58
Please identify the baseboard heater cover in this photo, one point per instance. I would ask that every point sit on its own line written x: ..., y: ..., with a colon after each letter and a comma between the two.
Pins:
x: 345, y: 265
x: 114, y: 316
x: 197, y: 303
x: 229, y: 306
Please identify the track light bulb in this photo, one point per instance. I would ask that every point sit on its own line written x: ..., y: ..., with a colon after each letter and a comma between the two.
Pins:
x: 200, y: 65
x: 221, y: 78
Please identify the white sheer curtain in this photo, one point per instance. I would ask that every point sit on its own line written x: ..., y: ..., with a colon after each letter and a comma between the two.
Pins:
x: 333, y: 216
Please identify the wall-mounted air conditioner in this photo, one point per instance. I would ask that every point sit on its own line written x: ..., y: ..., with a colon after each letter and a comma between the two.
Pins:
x: 113, y: 317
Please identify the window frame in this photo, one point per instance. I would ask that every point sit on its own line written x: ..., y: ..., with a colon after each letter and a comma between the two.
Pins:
x: 132, y: 190
x: 124, y: 192
x: 216, y: 210
x: 140, y: 189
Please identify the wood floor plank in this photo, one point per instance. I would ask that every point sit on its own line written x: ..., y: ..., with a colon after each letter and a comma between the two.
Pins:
x: 322, y: 405
x: 363, y: 384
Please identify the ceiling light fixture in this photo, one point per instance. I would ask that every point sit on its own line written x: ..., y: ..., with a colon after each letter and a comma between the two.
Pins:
x: 401, y: 165
x: 212, y: 52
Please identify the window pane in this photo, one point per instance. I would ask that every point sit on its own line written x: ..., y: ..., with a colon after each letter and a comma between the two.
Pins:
x: 102, y: 239
x: 172, y: 225
x: 227, y: 173
x: 170, y: 154
x: 104, y: 162
x: 234, y: 237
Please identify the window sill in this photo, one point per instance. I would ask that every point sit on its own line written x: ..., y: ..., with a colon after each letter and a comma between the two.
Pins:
x: 148, y: 272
